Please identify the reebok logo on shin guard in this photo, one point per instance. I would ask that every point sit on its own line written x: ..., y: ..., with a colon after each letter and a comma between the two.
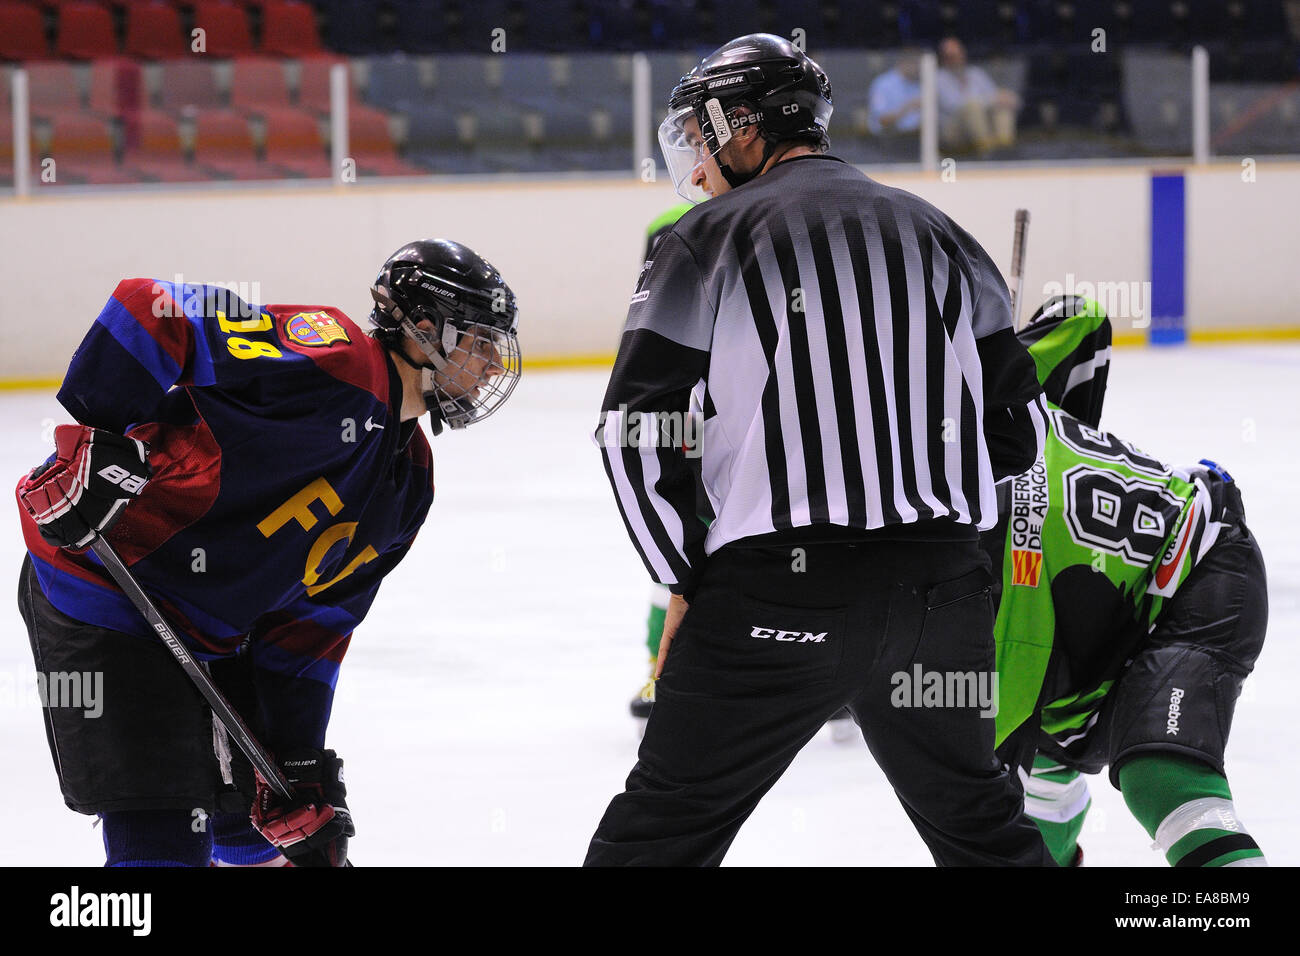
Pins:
x: 1171, y: 725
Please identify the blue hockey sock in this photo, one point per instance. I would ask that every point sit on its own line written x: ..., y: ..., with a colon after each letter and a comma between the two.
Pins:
x: 156, y: 838
x: 236, y: 841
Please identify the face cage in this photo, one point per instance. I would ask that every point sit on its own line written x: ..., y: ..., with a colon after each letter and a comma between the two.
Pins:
x: 471, y: 378
x: 683, y: 157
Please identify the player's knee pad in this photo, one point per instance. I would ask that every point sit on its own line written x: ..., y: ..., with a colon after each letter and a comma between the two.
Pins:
x: 1055, y: 801
x: 1176, y: 698
x: 156, y: 838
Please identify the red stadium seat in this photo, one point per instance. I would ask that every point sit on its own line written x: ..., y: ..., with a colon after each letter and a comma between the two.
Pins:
x: 22, y: 33
x: 225, y: 27
x: 314, y: 83
x: 259, y: 84
x: 154, y: 149
x: 189, y: 84
x: 223, y: 145
x: 289, y: 29
x: 371, y: 144
x: 294, y: 144
x: 85, y: 32
x: 52, y: 88
x: 153, y: 32
x: 81, y: 146
x: 116, y: 87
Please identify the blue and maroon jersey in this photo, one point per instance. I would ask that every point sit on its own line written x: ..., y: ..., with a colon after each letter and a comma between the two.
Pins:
x: 285, y: 485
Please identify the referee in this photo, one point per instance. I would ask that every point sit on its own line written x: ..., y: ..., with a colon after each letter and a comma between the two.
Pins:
x: 858, y: 390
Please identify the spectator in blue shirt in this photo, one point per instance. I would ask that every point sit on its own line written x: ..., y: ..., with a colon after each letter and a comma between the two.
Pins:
x: 895, y: 98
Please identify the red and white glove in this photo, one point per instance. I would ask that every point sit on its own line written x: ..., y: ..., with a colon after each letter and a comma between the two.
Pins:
x: 314, y: 830
x: 81, y: 492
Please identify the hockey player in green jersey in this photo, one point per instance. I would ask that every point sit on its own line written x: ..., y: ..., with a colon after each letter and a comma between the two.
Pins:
x: 1132, y: 605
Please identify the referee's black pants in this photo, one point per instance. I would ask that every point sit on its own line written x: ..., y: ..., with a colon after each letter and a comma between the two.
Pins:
x: 775, y: 642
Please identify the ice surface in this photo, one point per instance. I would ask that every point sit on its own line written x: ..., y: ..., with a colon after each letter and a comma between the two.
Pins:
x: 482, y: 709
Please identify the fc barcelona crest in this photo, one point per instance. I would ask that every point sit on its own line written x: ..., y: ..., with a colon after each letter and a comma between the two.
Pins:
x: 315, y: 329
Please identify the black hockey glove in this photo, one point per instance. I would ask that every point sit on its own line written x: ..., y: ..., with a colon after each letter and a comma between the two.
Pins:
x: 82, y: 490
x: 314, y: 830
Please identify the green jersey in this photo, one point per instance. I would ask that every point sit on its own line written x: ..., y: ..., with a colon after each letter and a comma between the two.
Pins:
x: 1092, y: 542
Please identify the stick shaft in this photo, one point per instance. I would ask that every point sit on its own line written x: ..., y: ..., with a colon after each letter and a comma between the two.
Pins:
x: 1018, y: 243
x: 229, y: 718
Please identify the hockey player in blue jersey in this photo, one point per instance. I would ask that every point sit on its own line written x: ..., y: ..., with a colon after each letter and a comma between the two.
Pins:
x: 260, y: 469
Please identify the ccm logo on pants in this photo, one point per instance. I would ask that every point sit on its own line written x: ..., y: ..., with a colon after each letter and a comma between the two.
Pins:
x: 803, y: 637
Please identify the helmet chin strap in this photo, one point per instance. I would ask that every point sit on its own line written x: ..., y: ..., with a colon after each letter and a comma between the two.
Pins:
x: 735, y: 179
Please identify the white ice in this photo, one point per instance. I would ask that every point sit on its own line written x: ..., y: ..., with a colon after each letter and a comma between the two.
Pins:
x: 482, y: 709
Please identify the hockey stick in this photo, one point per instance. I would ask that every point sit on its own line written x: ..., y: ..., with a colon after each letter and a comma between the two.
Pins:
x: 231, y: 720
x: 1018, y: 243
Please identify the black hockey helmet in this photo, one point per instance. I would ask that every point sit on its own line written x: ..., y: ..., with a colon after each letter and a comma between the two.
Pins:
x: 473, y: 350
x: 760, y: 80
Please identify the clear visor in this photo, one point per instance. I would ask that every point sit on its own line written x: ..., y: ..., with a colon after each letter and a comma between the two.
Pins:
x: 683, y: 148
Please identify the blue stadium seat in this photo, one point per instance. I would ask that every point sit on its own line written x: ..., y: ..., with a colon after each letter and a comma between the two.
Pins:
x: 479, y: 20
x: 861, y: 25
x: 352, y: 26
x: 733, y: 18
x: 851, y: 73
x: 1157, y: 99
x: 1150, y: 21
x: 553, y: 25
x: 603, y: 79
x: 1263, y: 20
x: 983, y: 24
x: 420, y: 26
x: 675, y: 24
x: 613, y: 26
x: 665, y: 70
x: 1209, y: 20
x: 461, y: 79
x: 920, y: 22
x: 391, y: 79
x: 527, y: 75
x: 806, y: 15
x: 527, y: 84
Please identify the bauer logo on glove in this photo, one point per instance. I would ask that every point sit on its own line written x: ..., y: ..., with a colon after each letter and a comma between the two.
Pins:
x: 81, y: 491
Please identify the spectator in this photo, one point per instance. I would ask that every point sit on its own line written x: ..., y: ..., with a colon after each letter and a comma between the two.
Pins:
x: 895, y: 98
x: 973, y: 110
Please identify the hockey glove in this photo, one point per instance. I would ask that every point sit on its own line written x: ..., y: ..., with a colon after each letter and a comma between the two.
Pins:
x: 314, y: 830
x: 82, y: 490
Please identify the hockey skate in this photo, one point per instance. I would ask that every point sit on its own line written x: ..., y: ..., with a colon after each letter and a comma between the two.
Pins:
x: 844, y: 729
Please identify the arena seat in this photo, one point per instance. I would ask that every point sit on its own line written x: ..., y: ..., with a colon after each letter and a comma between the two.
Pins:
x: 225, y: 27
x: 294, y: 143
x: 85, y: 31
x: 258, y: 84
x: 289, y: 29
x: 154, y: 151
x: 153, y: 32
x: 22, y: 33
x: 81, y: 146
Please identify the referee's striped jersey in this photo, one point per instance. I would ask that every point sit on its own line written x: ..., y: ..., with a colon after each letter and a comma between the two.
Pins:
x: 831, y: 357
